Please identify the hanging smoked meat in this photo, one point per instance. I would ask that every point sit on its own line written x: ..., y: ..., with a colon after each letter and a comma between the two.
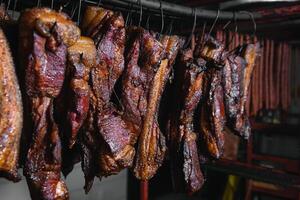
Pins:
x: 11, y: 113
x: 105, y: 124
x: 185, y: 163
x: 211, y: 50
x: 212, y: 117
x: 212, y: 111
x: 72, y: 105
x: 116, y: 152
x: 81, y: 59
x: 236, y: 80
x: 233, y: 73
x: 250, y: 53
x: 45, y: 36
x: 144, y: 82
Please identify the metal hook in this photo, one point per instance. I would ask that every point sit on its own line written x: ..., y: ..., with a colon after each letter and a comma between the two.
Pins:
x: 14, y: 9
x: 203, y: 33
x: 253, y: 21
x: 194, y: 26
x: 38, y: 3
x: 128, y: 15
x: 162, y: 17
x: 64, y: 6
x: 229, y: 22
x: 141, y: 12
x: 99, y: 3
x: 235, y: 30
x: 213, y: 25
x: 79, y: 12
x: 195, y: 20
x: 8, y: 4
x: 170, y: 28
x: 52, y: 4
x: 147, y: 22
x: 73, y: 10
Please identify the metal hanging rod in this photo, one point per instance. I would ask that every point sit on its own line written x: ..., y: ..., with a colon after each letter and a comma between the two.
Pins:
x: 179, y: 10
x: 235, y: 3
x: 124, y: 8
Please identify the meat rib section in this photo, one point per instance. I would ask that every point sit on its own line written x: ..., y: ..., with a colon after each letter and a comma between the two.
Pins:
x: 183, y: 145
x: 112, y: 133
x: 44, y: 39
x: 11, y: 117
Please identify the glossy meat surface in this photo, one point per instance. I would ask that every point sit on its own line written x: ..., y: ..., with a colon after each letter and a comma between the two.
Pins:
x: 233, y: 73
x: 151, y: 143
x: 237, y: 74
x: 43, y: 20
x: 188, y: 83
x: 81, y: 58
x: 213, y: 118
x: 46, y: 69
x: 94, y: 19
x: 211, y: 50
x: 50, y: 34
x: 115, y: 152
x: 250, y: 54
x: 11, y: 117
x: 72, y: 104
x: 110, y: 59
x: 43, y: 165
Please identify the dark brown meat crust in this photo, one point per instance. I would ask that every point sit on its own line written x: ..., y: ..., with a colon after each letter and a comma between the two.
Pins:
x: 111, y: 65
x: 43, y: 165
x: 42, y: 168
x: 183, y: 146
x: 212, y: 120
x: 89, y: 145
x: 42, y: 20
x: 152, y: 69
x: 236, y: 81
x: 232, y: 81
x: 81, y: 58
x: 44, y: 39
x: 250, y: 53
x: 211, y: 50
x: 72, y: 105
x: 11, y: 114
x: 112, y: 133
x: 133, y: 87
x: 94, y: 19
x: 46, y: 69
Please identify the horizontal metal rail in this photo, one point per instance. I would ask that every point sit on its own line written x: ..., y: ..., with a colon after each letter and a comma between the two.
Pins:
x: 179, y: 10
x: 235, y: 3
